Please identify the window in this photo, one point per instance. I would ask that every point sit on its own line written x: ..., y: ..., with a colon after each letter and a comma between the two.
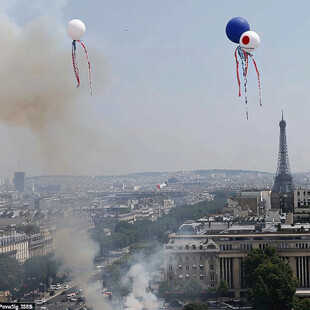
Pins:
x: 194, y: 247
x: 187, y: 247
x: 212, y: 277
x: 211, y: 267
x: 170, y: 268
x: 201, y: 267
x: 200, y: 247
x: 187, y: 267
x: 187, y: 277
x: 170, y: 277
x: 180, y: 267
x: 194, y: 267
x: 201, y: 277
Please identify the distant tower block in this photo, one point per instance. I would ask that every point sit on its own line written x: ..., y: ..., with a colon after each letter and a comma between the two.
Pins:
x: 19, y: 181
x: 282, y: 193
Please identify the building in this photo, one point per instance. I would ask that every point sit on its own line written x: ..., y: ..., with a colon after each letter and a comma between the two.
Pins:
x: 40, y: 244
x: 282, y: 193
x: 15, y: 245
x: 255, y: 202
x: 302, y: 198
x: 302, y: 205
x: 19, y: 181
x: 212, y: 257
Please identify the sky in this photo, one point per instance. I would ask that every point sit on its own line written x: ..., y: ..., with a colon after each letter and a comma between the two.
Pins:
x: 165, y: 89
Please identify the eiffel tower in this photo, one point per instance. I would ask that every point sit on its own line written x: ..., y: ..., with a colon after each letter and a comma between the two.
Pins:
x: 282, y: 193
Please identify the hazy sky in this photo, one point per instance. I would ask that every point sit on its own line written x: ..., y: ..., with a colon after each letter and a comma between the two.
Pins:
x: 165, y: 90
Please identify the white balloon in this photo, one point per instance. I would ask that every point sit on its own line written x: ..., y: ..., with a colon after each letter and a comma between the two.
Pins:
x: 76, y: 29
x: 249, y: 41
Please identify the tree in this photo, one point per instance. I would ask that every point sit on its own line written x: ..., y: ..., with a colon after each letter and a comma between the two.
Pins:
x: 11, y: 273
x: 164, y: 286
x: 196, y: 306
x: 301, y: 304
x: 38, y: 269
x: 127, y: 234
x: 193, y: 288
x: 271, y: 279
x: 223, y: 288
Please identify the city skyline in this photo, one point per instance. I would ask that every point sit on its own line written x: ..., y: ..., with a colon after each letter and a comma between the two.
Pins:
x: 160, y: 71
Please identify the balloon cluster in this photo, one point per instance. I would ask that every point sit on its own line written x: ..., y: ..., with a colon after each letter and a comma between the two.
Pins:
x: 238, y: 31
x: 76, y: 29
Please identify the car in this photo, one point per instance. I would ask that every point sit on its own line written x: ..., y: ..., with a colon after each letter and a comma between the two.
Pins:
x: 66, y: 287
x: 72, y: 294
x: 52, y: 293
x: 53, y: 287
x: 43, y: 308
x: 74, y: 299
x: 40, y: 301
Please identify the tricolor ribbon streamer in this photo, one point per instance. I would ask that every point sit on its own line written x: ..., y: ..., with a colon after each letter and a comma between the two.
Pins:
x: 75, y: 67
x: 244, y: 58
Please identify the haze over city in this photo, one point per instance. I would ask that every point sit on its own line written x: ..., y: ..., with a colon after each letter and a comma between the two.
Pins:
x: 165, y: 91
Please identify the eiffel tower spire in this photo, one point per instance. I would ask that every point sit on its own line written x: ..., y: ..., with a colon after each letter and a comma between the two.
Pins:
x: 283, y: 186
x: 283, y: 182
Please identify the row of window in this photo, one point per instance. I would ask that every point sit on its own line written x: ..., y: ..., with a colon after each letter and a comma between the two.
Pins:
x: 246, y: 246
x: 194, y: 247
x: 194, y: 267
x: 301, y: 245
x: 201, y: 276
x: 12, y: 240
x: 225, y: 247
x: 211, y: 258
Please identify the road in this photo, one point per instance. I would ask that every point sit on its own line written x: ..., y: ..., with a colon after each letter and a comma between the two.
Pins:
x: 60, y: 302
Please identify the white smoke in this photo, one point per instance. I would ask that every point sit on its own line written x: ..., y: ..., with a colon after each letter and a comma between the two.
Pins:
x: 138, y: 280
x: 76, y: 254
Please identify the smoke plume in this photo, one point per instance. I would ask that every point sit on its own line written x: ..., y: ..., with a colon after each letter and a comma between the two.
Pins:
x: 38, y: 94
x: 76, y: 254
x: 140, y: 296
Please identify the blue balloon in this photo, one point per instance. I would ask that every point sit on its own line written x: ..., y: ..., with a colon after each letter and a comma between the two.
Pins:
x: 235, y: 28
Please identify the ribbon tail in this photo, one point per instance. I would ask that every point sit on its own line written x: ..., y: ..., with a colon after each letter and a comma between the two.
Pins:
x: 89, y: 67
x: 74, y: 63
x: 258, y: 79
x: 237, y: 71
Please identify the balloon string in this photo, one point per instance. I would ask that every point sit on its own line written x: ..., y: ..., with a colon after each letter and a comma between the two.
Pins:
x: 244, y: 63
x: 258, y: 78
x: 245, y: 83
x: 74, y: 63
x: 237, y: 71
x: 89, y: 68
